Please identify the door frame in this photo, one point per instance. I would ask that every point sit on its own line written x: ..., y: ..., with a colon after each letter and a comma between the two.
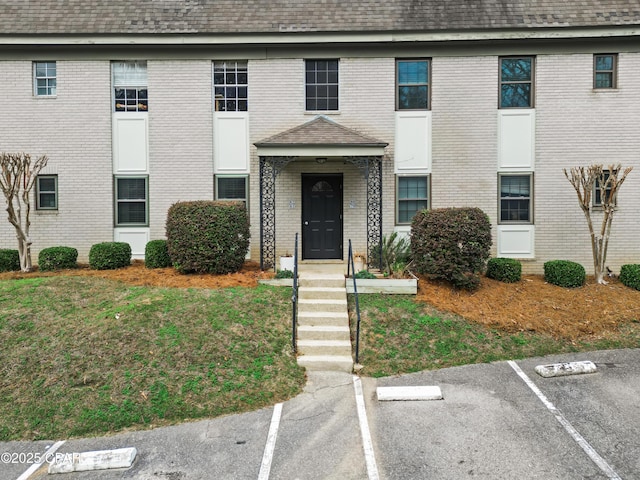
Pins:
x: 321, y: 176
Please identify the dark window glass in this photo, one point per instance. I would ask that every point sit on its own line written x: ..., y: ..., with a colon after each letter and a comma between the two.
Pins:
x: 515, y: 198
x: 412, y: 84
x: 604, y: 75
x: 321, y: 89
x: 412, y: 197
x: 516, y: 82
x: 228, y: 76
x: 131, y: 201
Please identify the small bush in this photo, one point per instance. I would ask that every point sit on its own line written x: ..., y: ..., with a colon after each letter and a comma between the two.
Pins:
x: 109, y: 255
x: 630, y: 275
x: 156, y: 254
x: 366, y: 274
x: 208, y: 237
x: 506, y: 270
x: 284, y: 274
x: 564, y: 273
x: 451, y: 244
x: 9, y: 260
x: 57, y: 258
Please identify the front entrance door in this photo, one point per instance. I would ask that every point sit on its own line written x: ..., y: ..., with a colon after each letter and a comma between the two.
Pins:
x: 321, y: 216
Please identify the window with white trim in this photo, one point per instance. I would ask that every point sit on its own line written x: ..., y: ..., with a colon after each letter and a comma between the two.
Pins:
x: 44, y: 79
x: 604, y: 70
x: 130, y: 86
x: 230, y: 86
x: 412, y: 196
x: 412, y: 84
x: 516, y: 82
x: 321, y: 85
x: 232, y: 187
x: 47, y: 192
x: 131, y: 204
x: 516, y: 198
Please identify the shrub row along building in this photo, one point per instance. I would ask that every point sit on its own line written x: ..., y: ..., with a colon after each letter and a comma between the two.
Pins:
x: 337, y: 120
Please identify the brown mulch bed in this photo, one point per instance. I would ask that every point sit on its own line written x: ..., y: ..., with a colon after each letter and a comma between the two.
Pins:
x: 528, y: 305
x: 534, y: 305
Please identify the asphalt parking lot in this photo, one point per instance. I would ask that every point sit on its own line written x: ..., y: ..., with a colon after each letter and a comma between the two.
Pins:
x: 491, y: 424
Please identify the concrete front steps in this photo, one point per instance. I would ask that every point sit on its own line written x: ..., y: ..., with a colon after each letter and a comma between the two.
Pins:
x: 323, y: 322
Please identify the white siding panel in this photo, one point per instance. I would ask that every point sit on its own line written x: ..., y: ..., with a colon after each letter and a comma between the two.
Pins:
x: 130, y: 143
x: 516, y: 139
x: 516, y: 241
x: 231, y: 142
x: 136, y: 237
x: 413, y: 142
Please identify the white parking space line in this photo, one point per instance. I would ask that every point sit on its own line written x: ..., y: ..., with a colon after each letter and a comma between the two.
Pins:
x: 588, y: 449
x: 45, y: 456
x: 267, y: 457
x: 369, y: 456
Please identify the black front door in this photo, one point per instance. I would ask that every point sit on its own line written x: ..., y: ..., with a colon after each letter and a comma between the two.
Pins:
x: 321, y: 216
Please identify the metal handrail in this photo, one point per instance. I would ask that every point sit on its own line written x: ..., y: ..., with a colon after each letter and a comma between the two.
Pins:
x: 351, y: 271
x: 294, y: 299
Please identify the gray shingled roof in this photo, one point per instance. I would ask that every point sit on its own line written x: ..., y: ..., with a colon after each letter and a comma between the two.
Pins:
x: 320, y: 132
x: 87, y: 17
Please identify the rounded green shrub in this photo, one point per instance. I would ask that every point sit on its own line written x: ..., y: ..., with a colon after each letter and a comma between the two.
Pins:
x: 508, y: 270
x: 284, y: 274
x: 208, y: 237
x: 156, y: 254
x: 451, y: 244
x: 9, y: 260
x: 564, y: 273
x: 109, y: 255
x: 630, y: 275
x: 57, y: 258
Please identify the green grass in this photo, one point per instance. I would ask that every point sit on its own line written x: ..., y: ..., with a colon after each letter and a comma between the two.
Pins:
x: 85, y: 356
x: 399, y: 335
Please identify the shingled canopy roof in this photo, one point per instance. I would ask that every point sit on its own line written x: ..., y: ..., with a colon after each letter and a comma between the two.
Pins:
x: 137, y: 17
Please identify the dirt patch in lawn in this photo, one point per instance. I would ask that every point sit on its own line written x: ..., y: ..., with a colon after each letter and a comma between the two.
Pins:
x: 534, y: 305
x: 529, y: 305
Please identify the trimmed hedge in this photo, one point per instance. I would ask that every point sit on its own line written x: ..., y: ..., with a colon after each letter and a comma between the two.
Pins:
x: 630, y: 275
x: 508, y: 270
x: 451, y: 244
x: 564, y: 273
x: 57, y: 258
x: 9, y: 260
x: 109, y: 255
x: 156, y: 254
x: 208, y: 237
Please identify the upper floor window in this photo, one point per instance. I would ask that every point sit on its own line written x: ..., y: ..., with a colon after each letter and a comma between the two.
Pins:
x: 321, y: 84
x: 515, y: 198
x: 47, y: 192
x: 230, y: 81
x: 604, y: 70
x: 130, y: 86
x: 516, y: 82
x: 44, y: 79
x: 412, y: 84
x: 412, y: 195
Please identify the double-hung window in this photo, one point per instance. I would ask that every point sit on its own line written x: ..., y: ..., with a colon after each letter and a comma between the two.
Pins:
x: 516, y: 199
x: 516, y: 82
x: 47, y: 192
x: 233, y: 188
x: 321, y: 85
x: 130, y: 86
x: 44, y: 79
x: 597, y: 193
x: 412, y: 195
x: 230, y: 80
x: 412, y: 84
x: 131, y: 194
x: 604, y: 70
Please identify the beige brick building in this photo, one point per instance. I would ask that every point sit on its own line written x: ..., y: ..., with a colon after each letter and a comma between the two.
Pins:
x: 335, y: 121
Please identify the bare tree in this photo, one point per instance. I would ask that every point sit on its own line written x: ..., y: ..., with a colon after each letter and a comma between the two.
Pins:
x: 17, y: 177
x: 589, y: 181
